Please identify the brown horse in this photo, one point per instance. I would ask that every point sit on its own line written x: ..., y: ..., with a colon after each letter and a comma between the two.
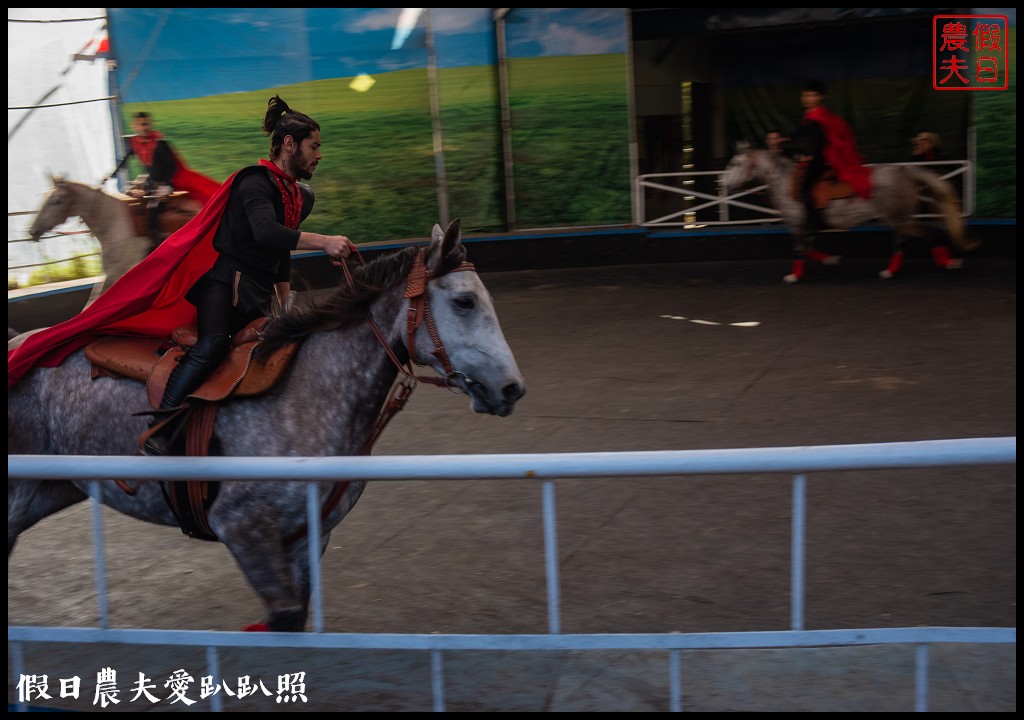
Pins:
x: 126, y: 227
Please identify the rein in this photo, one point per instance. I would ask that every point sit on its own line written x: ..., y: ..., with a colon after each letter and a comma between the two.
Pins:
x: 417, y: 314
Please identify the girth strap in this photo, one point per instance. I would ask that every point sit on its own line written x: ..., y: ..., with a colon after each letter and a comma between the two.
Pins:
x: 190, y: 500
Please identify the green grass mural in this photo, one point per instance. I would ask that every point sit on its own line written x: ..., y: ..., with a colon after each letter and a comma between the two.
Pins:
x: 378, y: 178
x: 995, y: 120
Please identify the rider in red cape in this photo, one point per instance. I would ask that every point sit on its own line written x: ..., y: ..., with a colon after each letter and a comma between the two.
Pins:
x: 824, y: 141
x: 163, y: 165
x: 148, y: 300
x: 221, y: 271
x: 194, y: 183
x: 840, y: 150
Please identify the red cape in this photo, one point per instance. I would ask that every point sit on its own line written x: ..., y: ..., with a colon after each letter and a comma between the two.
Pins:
x: 148, y: 300
x: 841, y: 150
x: 196, y: 184
x: 185, y: 178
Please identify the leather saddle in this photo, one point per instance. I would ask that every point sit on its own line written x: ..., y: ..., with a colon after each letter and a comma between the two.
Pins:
x: 172, y: 212
x: 826, y: 190
x: 151, y: 361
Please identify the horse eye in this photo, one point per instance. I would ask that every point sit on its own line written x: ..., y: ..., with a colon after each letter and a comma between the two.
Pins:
x: 465, y: 302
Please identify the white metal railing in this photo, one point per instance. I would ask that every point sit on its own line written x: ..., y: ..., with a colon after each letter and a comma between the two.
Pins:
x: 524, y: 468
x: 681, y: 203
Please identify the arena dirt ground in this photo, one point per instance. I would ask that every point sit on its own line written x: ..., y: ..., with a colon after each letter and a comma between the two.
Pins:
x: 644, y: 357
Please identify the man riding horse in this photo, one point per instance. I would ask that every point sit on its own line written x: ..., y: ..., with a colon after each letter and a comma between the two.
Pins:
x: 824, y: 142
x: 163, y: 173
x: 826, y: 151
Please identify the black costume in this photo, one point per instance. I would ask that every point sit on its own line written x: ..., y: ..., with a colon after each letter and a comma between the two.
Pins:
x: 254, y: 244
x: 808, y: 140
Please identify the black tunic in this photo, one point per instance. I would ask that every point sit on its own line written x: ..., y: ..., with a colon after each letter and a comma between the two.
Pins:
x: 254, y: 244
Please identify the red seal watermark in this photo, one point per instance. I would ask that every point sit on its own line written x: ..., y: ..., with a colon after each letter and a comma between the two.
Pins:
x: 969, y: 52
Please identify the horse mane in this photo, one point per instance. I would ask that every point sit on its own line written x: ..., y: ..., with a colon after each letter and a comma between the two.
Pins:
x: 349, y: 304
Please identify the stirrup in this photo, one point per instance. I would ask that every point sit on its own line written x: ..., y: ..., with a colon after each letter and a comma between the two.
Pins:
x: 161, y: 412
x: 158, y: 439
x: 155, y: 446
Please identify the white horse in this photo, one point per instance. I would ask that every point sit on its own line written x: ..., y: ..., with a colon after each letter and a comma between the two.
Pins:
x: 894, y: 200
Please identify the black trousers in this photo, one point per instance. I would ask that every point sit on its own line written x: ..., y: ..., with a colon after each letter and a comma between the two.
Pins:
x: 217, y: 319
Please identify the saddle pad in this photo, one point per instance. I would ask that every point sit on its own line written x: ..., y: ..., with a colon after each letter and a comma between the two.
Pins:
x: 828, y: 190
x: 140, y: 358
x: 131, y: 357
x: 173, y: 212
x: 239, y: 374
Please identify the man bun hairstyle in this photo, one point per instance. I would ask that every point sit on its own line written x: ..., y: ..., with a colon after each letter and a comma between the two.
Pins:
x: 281, y: 121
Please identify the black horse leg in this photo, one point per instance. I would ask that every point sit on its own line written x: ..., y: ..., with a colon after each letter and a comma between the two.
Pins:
x: 29, y: 501
x: 261, y: 555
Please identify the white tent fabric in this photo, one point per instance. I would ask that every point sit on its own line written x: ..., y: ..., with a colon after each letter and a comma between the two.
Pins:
x: 59, y: 120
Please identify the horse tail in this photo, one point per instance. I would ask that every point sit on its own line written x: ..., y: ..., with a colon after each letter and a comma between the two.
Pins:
x: 949, y: 206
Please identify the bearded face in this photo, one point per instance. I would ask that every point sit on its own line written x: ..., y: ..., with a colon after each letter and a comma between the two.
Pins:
x: 302, y: 161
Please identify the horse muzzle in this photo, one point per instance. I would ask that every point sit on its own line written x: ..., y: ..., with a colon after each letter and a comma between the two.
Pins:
x: 484, y: 399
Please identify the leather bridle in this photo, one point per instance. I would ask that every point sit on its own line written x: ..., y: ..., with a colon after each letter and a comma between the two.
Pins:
x: 417, y: 314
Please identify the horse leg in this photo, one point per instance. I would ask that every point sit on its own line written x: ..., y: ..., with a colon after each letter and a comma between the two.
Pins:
x: 823, y: 257
x: 301, y: 570
x: 895, y: 260
x: 940, y: 251
x: 804, y: 251
x: 801, y: 246
x: 29, y: 501
x: 942, y: 258
x: 260, y: 553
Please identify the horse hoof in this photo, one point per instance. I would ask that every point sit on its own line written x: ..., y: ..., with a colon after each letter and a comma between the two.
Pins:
x: 832, y: 260
x: 791, y: 278
x: 886, y: 274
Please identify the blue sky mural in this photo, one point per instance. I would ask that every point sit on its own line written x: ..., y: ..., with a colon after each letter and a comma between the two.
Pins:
x: 175, y: 53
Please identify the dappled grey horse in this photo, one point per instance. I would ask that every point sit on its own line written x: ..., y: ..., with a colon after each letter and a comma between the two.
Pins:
x: 894, y: 201
x: 352, y: 347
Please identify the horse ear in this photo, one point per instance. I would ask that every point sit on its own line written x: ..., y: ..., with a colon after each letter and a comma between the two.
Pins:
x: 452, y: 236
x: 742, y: 146
x: 443, y: 242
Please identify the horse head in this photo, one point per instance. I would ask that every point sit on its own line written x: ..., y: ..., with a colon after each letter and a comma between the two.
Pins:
x: 741, y: 169
x: 460, y: 337
x: 57, y: 207
x: 426, y: 306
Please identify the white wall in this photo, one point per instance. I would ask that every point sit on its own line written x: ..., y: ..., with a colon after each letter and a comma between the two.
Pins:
x: 74, y: 138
